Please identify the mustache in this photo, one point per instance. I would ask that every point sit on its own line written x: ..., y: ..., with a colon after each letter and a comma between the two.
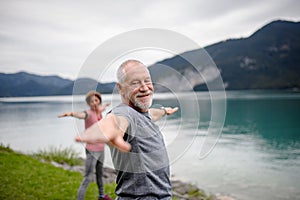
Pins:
x: 144, y: 94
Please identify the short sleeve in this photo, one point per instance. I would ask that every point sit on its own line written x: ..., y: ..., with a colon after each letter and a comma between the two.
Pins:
x: 125, y: 111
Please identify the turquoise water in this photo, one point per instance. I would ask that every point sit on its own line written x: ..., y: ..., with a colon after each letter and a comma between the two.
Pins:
x: 257, y: 155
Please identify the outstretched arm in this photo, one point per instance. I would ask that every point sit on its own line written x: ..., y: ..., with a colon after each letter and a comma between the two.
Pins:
x: 110, y: 129
x: 79, y: 115
x: 157, y: 113
x: 103, y: 107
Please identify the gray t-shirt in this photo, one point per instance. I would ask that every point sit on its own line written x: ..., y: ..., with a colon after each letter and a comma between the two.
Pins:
x: 143, y: 173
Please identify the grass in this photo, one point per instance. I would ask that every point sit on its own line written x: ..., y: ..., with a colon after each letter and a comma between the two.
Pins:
x: 25, y: 177
x: 199, y: 194
x: 60, y: 155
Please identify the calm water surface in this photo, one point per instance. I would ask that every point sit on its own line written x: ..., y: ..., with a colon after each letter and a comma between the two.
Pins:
x: 257, y: 156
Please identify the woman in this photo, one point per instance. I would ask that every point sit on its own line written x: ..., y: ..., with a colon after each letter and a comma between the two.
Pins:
x: 94, y: 151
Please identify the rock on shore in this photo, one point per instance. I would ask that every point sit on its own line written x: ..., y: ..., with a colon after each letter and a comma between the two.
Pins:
x: 181, y: 190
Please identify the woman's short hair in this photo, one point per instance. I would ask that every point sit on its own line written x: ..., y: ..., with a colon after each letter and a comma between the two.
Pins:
x: 92, y: 93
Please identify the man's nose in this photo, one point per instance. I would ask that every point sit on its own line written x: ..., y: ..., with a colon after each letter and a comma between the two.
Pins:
x: 143, y: 86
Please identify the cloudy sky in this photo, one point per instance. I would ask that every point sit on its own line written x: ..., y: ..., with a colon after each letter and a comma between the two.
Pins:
x: 56, y: 37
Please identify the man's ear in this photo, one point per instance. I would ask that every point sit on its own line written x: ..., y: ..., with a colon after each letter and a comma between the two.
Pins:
x: 119, y: 87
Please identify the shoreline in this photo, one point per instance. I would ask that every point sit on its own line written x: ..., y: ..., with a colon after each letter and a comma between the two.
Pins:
x: 181, y: 190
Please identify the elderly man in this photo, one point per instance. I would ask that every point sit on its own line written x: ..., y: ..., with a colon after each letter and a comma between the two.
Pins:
x: 139, y: 152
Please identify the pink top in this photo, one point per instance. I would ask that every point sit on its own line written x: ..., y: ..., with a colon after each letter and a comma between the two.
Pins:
x: 93, y: 118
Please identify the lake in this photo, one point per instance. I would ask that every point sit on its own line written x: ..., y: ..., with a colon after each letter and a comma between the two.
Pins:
x: 256, y: 154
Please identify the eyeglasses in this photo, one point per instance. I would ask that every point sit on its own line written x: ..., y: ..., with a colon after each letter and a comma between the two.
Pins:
x: 140, y: 83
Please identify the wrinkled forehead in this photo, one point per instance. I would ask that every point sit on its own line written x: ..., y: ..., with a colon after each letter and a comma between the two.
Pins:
x: 136, y: 72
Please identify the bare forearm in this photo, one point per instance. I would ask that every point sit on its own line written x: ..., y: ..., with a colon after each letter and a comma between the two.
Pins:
x: 79, y: 115
x: 157, y: 113
x: 94, y: 134
x: 103, y: 107
x: 108, y: 130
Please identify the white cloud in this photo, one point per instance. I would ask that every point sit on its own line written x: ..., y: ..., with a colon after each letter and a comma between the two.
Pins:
x: 55, y: 37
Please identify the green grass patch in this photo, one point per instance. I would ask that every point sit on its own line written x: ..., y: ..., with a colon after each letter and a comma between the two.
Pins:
x: 199, y: 194
x: 5, y: 148
x: 60, y: 155
x: 25, y: 177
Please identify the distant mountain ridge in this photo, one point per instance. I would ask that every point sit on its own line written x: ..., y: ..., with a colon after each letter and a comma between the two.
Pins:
x: 268, y: 59
x: 26, y: 84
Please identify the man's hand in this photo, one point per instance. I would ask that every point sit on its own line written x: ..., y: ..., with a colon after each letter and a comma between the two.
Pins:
x: 109, y: 130
x: 170, y: 111
x: 157, y: 113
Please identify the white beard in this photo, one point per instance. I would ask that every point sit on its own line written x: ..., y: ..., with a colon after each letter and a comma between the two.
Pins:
x: 143, y: 106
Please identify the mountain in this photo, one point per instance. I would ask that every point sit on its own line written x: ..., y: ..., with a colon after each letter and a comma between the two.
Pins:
x: 268, y: 59
x: 25, y: 84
